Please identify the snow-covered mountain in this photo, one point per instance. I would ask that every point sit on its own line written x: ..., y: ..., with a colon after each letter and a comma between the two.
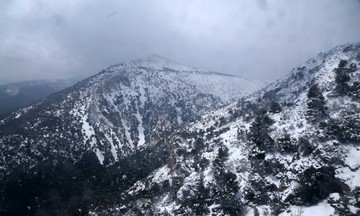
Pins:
x: 117, y: 117
x: 17, y: 95
x: 125, y: 106
x: 292, y: 148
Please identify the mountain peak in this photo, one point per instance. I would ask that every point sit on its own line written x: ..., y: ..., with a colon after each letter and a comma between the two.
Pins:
x: 154, y: 57
x: 158, y: 62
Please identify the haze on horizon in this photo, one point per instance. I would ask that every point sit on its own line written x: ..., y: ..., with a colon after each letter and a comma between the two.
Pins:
x: 48, y: 39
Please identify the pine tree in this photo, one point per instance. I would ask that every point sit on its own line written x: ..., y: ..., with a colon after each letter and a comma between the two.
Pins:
x: 200, y: 206
x: 226, y: 186
x: 259, y: 135
x: 275, y: 107
x: 316, y: 104
x: 285, y: 145
x: 219, y: 161
x: 171, y: 160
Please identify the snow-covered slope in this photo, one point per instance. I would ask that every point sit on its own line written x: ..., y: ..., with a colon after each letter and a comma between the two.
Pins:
x: 290, y: 149
x: 123, y: 107
x: 227, y: 87
x: 125, y: 110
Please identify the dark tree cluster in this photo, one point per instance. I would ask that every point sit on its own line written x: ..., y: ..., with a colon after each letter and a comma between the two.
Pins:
x: 258, y: 191
x: 345, y: 129
x: 222, y: 192
x: 304, y: 146
x: 275, y: 107
x: 343, y: 78
x: 343, y: 205
x: 316, y: 184
x: 285, y: 145
x: 196, y: 203
x: 316, y: 104
x: 226, y: 186
x: 259, y: 135
x: 69, y: 188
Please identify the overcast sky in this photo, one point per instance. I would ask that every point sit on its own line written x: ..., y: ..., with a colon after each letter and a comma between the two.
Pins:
x: 255, y: 39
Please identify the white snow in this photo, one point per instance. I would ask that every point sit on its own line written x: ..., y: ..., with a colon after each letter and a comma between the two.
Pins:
x: 140, y: 129
x: 165, y: 206
x: 179, y: 120
x: 18, y: 114
x: 225, y: 87
x: 87, y: 129
x: 273, y: 180
x: 353, y: 158
x: 351, y: 178
x: 99, y: 155
x: 321, y: 209
x: 161, y: 174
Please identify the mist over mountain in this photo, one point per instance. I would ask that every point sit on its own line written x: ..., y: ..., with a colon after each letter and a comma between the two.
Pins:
x: 17, y: 95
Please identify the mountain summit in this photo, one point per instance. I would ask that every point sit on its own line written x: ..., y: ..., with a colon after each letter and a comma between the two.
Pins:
x: 118, y: 119
x: 158, y: 62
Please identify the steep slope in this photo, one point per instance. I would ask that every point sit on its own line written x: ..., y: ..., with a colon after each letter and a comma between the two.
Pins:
x: 122, y: 108
x: 118, y: 118
x: 290, y: 149
x: 17, y: 95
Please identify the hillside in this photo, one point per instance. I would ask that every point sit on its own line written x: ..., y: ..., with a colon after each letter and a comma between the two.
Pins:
x: 104, y: 133
x: 289, y: 149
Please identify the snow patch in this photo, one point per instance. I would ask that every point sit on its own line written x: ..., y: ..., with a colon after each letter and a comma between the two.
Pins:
x: 179, y: 120
x: 100, y: 156
x: 321, y: 209
x: 351, y: 178
x: 87, y: 129
x: 353, y: 158
x: 141, y: 129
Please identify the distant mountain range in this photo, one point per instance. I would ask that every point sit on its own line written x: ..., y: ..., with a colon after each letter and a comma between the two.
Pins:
x: 17, y: 95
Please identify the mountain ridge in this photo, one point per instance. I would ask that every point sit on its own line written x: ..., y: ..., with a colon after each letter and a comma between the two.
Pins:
x: 289, y: 149
x: 117, y: 120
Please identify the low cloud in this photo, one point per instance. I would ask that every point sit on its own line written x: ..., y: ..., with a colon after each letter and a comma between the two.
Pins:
x: 256, y: 39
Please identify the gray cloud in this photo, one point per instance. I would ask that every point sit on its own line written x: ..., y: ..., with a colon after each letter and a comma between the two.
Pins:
x: 256, y: 39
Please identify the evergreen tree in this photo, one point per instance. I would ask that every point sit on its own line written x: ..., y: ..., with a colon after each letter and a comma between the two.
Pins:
x: 226, y: 186
x: 316, y: 104
x: 315, y: 184
x: 275, y: 107
x: 220, y: 160
x: 342, y: 78
x: 259, y: 135
x: 285, y: 145
x: 195, y: 201
x: 230, y: 204
x: 200, y: 206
